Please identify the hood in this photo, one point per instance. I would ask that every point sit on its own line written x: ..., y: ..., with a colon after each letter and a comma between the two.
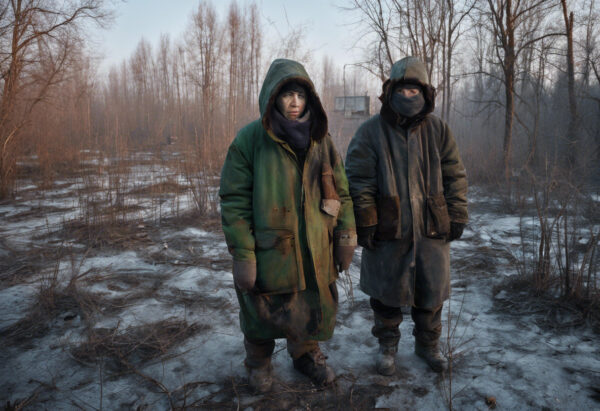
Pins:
x: 281, y: 72
x: 409, y: 70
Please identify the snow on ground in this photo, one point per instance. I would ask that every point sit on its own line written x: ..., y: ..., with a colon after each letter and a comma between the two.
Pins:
x: 182, y: 272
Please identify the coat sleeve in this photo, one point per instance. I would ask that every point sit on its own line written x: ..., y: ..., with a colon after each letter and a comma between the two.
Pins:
x: 345, y: 219
x: 236, y: 203
x: 361, y: 169
x: 454, y: 178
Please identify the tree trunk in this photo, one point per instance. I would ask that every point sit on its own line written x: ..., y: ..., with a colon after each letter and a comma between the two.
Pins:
x: 572, y: 132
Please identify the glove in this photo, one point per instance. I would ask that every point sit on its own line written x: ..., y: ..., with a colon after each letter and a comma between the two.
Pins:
x: 244, y: 274
x: 456, y: 230
x: 344, y: 243
x: 366, y: 236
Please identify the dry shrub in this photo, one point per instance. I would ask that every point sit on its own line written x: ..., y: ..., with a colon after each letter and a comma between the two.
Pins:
x: 558, y: 258
x: 547, y: 310
x: 203, y: 181
x: 128, y: 348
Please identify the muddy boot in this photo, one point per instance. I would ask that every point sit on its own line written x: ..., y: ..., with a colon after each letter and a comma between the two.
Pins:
x: 260, y: 379
x: 387, y: 332
x: 432, y: 356
x: 313, y: 365
x: 386, y: 359
x: 258, y: 363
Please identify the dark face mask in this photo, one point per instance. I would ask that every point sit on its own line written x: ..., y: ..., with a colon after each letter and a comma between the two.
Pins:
x: 407, y: 106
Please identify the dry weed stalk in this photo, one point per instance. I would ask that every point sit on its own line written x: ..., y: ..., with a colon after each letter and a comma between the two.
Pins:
x: 201, y: 183
x: 451, y: 349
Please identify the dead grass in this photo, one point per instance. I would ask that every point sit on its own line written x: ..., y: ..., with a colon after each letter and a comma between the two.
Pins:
x: 53, y: 306
x: 128, y: 348
x: 37, y: 212
x: 19, y: 266
x: 345, y: 394
x: 549, y: 311
x: 165, y: 187
x: 116, y: 234
x: 194, y: 218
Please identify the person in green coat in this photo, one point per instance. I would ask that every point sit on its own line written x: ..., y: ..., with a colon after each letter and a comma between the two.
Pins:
x: 289, y: 225
x: 408, y: 186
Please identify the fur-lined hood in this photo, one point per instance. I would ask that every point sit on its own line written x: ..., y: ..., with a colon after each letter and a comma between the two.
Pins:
x: 409, y: 70
x: 283, y: 71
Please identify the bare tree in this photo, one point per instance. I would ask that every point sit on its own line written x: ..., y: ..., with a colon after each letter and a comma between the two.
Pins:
x: 37, y: 38
x: 507, y: 22
x: 572, y: 131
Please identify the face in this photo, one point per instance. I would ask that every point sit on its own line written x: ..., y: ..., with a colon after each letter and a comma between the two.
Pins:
x: 291, y: 103
x: 408, y: 91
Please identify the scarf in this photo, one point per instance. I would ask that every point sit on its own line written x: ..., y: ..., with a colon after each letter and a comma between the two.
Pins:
x: 407, y: 106
x: 295, y: 132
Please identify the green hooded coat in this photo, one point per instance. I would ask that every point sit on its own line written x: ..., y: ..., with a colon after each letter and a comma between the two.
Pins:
x: 275, y: 211
x: 407, y: 178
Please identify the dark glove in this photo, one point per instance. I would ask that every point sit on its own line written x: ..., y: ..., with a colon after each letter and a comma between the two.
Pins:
x: 344, y: 243
x: 244, y: 274
x: 456, y: 230
x: 366, y: 236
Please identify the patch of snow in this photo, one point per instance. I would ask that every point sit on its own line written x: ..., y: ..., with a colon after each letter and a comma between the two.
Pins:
x: 189, y: 279
x: 15, y: 301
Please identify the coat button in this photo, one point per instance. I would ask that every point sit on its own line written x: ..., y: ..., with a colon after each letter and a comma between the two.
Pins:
x: 412, y: 264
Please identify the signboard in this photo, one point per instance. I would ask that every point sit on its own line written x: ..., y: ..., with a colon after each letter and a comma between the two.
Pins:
x: 352, y: 105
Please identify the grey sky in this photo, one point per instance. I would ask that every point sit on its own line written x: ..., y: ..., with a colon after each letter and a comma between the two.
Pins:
x: 327, y: 31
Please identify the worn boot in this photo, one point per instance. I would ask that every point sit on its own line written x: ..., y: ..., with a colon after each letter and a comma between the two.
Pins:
x: 313, y: 365
x: 386, y: 359
x: 258, y: 363
x: 387, y: 331
x: 432, y: 356
x: 260, y: 379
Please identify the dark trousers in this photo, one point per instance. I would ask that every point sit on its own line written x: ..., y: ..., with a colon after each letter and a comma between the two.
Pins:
x: 427, y: 328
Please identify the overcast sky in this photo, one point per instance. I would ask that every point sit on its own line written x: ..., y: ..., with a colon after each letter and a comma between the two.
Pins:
x: 327, y: 28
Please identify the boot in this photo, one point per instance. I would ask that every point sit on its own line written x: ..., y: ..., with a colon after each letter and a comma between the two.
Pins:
x: 260, y: 378
x: 387, y: 331
x: 431, y: 355
x: 258, y: 363
x: 313, y: 365
x: 386, y: 359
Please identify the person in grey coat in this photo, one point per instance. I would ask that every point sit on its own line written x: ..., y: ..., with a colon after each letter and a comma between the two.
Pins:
x: 408, y: 185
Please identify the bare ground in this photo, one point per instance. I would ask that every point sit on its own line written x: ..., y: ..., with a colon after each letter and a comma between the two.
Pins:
x: 132, y: 315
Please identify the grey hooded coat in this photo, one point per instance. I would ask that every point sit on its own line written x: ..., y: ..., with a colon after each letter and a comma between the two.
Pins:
x: 407, y: 178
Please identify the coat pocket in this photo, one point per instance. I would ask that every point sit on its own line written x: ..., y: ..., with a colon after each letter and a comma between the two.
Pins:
x: 389, y: 219
x: 276, y: 262
x: 438, y: 220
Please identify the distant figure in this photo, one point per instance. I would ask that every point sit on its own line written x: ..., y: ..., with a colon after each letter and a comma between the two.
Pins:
x: 408, y: 185
x: 288, y: 222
